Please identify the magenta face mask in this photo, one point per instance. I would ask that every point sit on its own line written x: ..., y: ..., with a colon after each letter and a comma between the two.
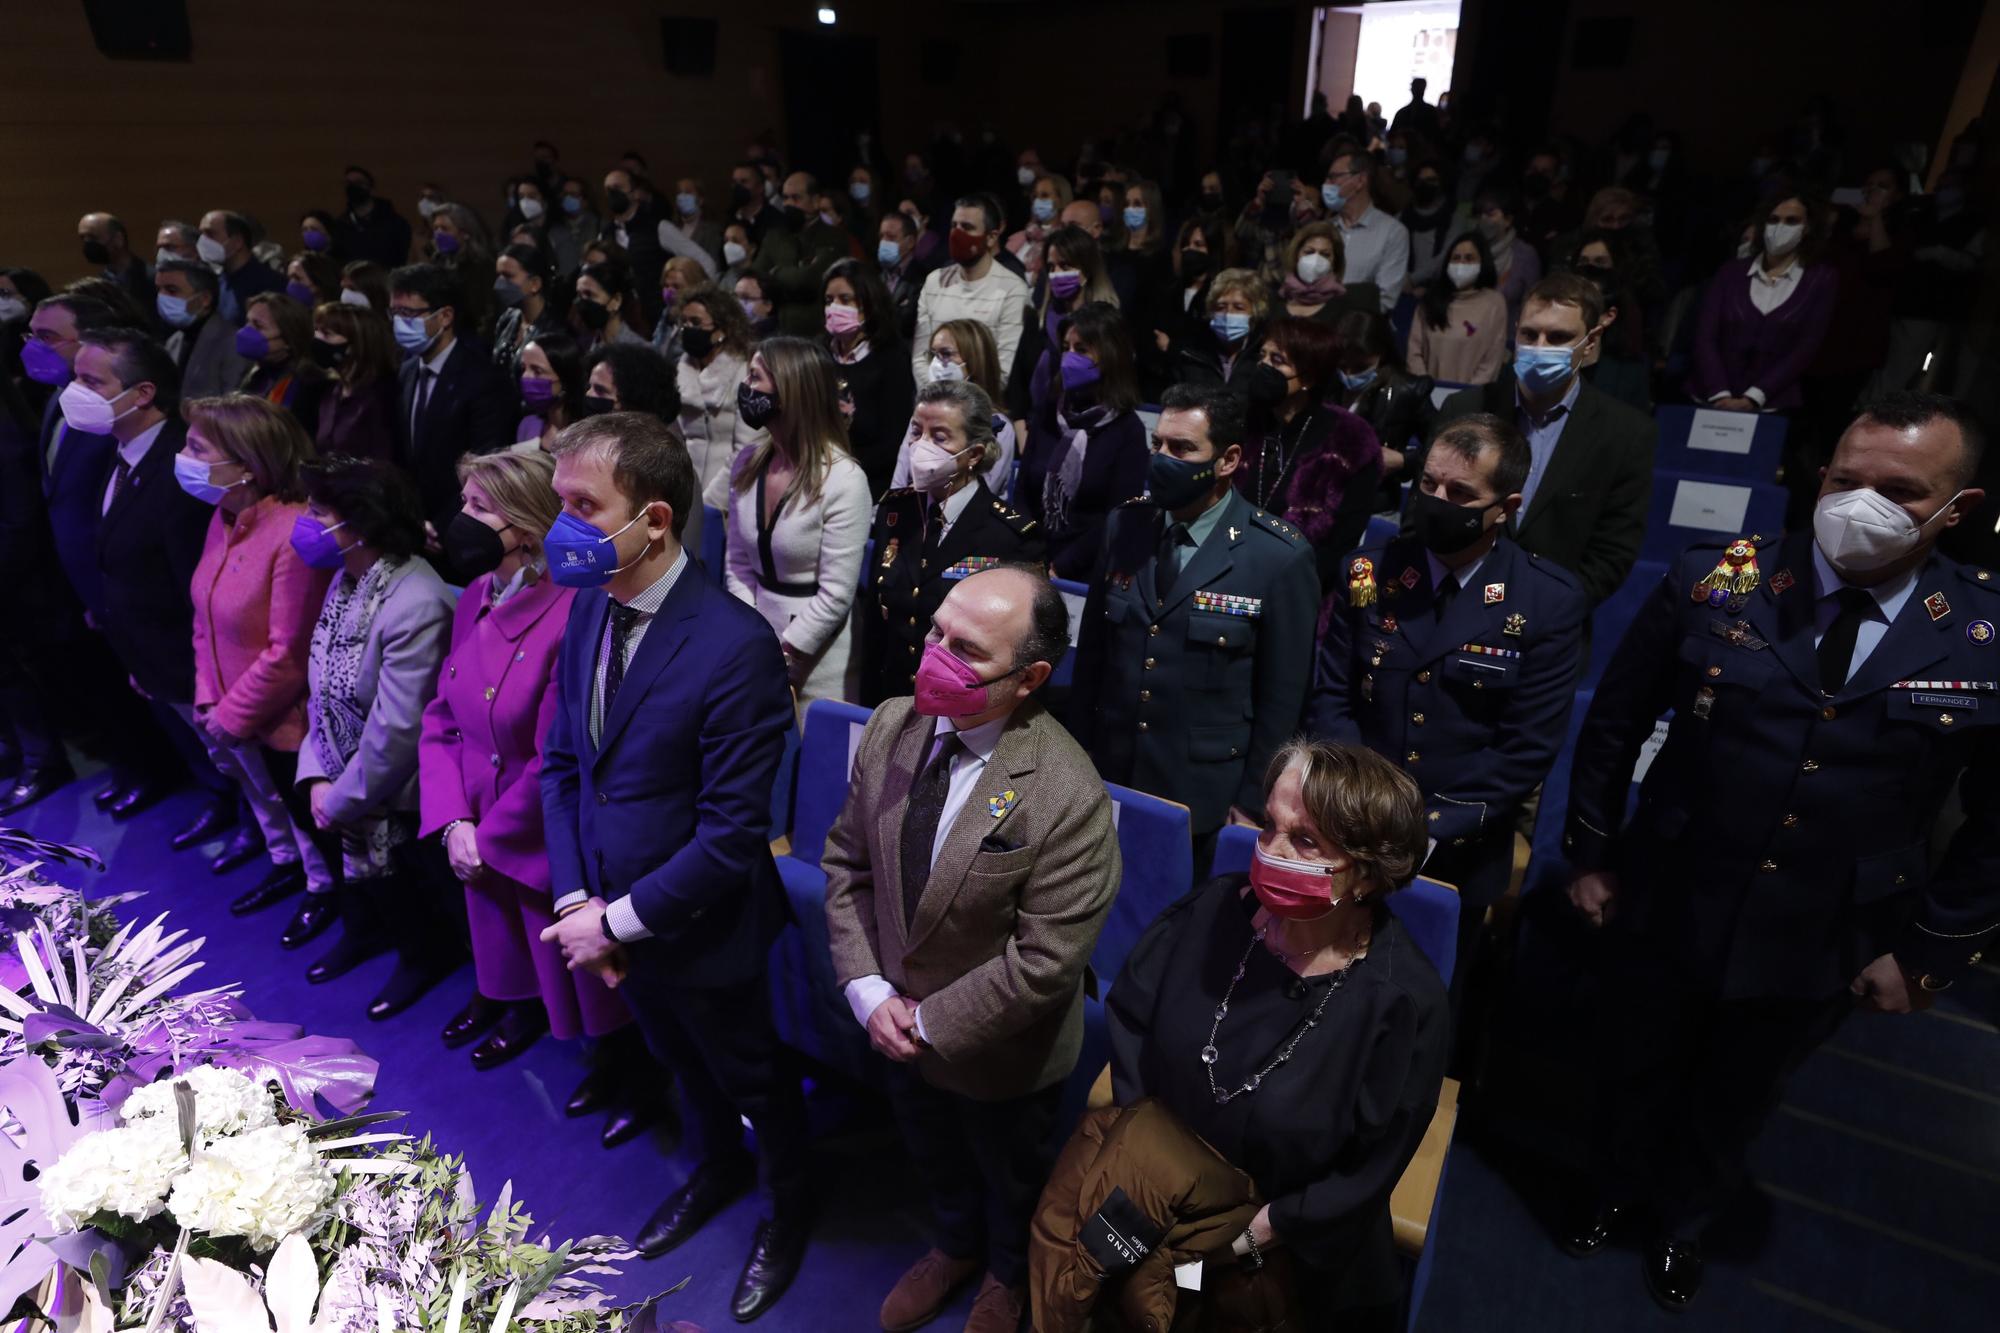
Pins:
x: 947, y: 687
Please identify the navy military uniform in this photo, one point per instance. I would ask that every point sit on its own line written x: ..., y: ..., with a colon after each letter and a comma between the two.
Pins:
x: 1186, y: 692
x: 916, y: 563
x: 1782, y: 840
x: 1472, y: 700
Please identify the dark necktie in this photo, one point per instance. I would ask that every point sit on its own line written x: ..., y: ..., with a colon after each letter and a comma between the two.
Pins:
x: 120, y: 475
x: 1446, y: 591
x: 425, y: 375
x: 920, y: 821
x: 623, y: 618
x: 1169, y: 563
x: 1836, y: 647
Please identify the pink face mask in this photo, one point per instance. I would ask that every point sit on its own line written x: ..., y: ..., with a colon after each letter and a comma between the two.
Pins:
x: 843, y: 319
x: 1294, y: 890
x: 947, y: 687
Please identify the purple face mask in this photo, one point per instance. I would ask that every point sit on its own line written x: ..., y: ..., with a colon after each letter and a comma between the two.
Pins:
x: 44, y: 364
x: 1079, y: 371
x: 315, y: 543
x: 252, y: 345
x: 1064, y: 286
x: 317, y: 240
x: 446, y: 242
x: 536, y: 392
x: 301, y: 293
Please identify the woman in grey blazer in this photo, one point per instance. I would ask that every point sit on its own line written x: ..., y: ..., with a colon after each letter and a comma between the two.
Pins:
x: 381, y: 635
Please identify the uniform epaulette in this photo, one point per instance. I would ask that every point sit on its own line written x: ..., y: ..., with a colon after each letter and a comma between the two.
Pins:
x: 1272, y: 523
x: 1146, y: 500
x: 1014, y: 518
x: 1551, y: 569
x: 900, y: 493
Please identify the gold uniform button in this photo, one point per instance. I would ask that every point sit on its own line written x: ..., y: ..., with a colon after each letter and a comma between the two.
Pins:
x: 1423, y: 677
x: 1809, y: 766
x: 1149, y: 664
x: 1145, y: 696
x: 1946, y: 719
x: 1714, y: 671
x: 1982, y: 576
x: 1828, y: 714
x: 1768, y: 867
x: 1221, y: 641
x: 1142, y: 726
x: 913, y: 620
x: 1791, y: 821
x: 1478, y: 684
x: 1435, y: 816
x: 1412, y: 757
x: 1374, y: 661
x: 1901, y: 879
x: 1153, y: 630
x: 1417, y: 719
x: 490, y: 691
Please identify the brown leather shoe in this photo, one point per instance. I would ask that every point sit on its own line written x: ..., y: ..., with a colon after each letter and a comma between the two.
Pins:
x: 923, y: 1291
x: 997, y: 1309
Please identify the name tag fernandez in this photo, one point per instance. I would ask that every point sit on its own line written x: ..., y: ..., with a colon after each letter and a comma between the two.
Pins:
x: 1944, y: 700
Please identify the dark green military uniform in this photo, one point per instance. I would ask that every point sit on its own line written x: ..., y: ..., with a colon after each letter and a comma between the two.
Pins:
x: 1187, y: 691
x: 913, y: 569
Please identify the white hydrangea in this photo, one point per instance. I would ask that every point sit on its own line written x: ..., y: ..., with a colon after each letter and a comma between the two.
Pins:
x: 128, y: 1171
x: 225, y: 1102
x: 263, y: 1185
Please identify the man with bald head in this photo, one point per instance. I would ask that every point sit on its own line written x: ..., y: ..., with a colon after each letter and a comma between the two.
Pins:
x: 1829, y: 691
x: 967, y: 879
x: 106, y: 244
x: 797, y: 277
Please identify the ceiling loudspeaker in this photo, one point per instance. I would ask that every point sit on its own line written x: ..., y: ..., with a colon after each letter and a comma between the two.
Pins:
x: 689, y: 46
x: 140, y: 29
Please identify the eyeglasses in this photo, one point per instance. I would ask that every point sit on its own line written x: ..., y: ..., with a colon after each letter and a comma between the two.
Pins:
x: 46, y: 337
x: 405, y: 312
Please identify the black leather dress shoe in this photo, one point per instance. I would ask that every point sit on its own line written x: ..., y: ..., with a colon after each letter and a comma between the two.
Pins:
x: 137, y: 797
x: 107, y: 796
x: 280, y: 884
x: 27, y: 788
x: 245, y: 846
x: 1673, y: 1272
x: 522, y: 1027
x: 474, y: 1021
x: 597, y: 1091
x: 318, y: 912
x: 1588, y: 1231
x: 774, y: 1260
x: 410, y: 982
x: 211, y: 821
x: 713, y: 1187
x: 630, y: 1119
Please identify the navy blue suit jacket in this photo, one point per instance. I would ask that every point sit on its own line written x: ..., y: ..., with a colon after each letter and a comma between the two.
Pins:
x: 74, y: 490
x: 673, y: 804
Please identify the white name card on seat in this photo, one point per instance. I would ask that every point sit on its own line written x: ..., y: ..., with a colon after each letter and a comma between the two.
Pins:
x: 1709, y: 506
x: 1722, y: 432
x: 1074, y: 601
x: 854, y: 731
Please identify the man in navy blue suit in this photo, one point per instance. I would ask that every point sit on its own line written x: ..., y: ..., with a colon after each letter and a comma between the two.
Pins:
x: 656, y: 784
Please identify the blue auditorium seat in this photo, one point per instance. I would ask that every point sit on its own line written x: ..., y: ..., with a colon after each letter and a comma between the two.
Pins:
x: 1614, y: 615
x: 1073, y: 594
x: 1689, y: 510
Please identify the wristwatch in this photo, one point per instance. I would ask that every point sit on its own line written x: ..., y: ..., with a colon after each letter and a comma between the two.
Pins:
x: 1931, y: 983
x: 604, y: 924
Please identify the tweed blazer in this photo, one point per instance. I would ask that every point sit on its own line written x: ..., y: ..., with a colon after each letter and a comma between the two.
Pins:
x: 998, y: 949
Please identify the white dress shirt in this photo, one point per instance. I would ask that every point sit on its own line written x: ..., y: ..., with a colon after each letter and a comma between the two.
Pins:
x: 1889, y: 598
x: 133, y: 451
x: 866, y: 994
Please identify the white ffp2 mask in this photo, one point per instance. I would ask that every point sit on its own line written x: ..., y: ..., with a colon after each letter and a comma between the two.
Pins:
x: 1861, y: 531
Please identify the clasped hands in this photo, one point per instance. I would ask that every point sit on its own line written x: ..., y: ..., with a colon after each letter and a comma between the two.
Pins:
x: 892, y: 1029
x: 1883, y: 986
x: 585, y: 946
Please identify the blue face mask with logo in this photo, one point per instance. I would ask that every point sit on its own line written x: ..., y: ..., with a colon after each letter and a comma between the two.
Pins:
x: 1541, y: 369
x: 1230, y: 327
x: 579, y: 555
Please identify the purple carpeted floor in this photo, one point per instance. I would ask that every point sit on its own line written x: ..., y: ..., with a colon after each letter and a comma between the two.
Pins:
x: 508, y: 1123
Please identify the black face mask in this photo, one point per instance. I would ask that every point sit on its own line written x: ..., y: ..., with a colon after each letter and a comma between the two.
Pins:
x: 1175, y: 483
x: 593, y: 315
x: 357, y: 195
x: 697, y: 343
x: 795, y: 217
x: 330, y: 356
x: 1211, y: 201
x: 1194, y: 263
x: 1444, y: 527
x: 1426, y: 192
x: 596, y: 405
x: 471, y: 546
x: 96, y: 252
x: 757, y: 410
x: 1535, y: 188
x: 741, y: 195
x: 1266, y: 385
x: 617, y: 200
x: 508, y: 293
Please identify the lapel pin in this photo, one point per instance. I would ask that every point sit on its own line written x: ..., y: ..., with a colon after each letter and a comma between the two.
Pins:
x: 1514, y: 625
x: 1001, y: 804
x: 1980, y: 632
x: 1496, y: 593
x: 1780, y: 581
x: 1388, y: 624
x: 1409, y: 578
x: 1937, y: 606
x: 1233, y: 532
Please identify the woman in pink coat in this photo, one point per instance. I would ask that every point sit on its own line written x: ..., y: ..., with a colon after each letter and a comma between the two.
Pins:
x: 255, y: 603
x: 479, y: 765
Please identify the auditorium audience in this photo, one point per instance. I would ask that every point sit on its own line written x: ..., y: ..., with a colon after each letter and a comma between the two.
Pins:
x: 357, y: 413
x: 312, y: 278
x: 376, y: 646
x: 1375, y: 245
x: 1515, y: 262
x: 1462, y: 327
x: 107, y: 244
x: 1238, y: 306
x: 552, y: 390
x: 370, y: 230
x: 962, y: 349
x: 1395, y: 404
x: 227, y: 243
x: 798, y: 515
x: 1047, y: 197
x: 973, y: 285
x: 255, y: 602
x: 1762, y: 318
x: 678, y: 276
x: 1311, y: 287
x: 276, y: 338
x: 203, y: 341
x: 526, y: 290
x: 598, y: 313
x: 1086, y: 448
x: 874, y: 367
x: 1234, y: 968
x: 453, y: 400
x: 716, y: 344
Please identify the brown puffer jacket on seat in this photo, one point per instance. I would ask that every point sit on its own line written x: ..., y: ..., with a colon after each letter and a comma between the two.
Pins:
x: 1134, y: 1195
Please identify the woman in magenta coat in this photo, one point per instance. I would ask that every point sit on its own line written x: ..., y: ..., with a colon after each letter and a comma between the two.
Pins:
x: 480, y: 760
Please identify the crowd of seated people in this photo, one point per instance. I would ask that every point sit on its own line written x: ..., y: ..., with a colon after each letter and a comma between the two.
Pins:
x: 475, y: 567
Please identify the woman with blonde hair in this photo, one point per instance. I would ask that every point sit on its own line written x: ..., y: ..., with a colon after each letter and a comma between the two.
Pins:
x: 1314, y: 263
x: 1239, y: 305
x: 798, y: 515
x: 963, y: 349
x: 357, y: 413
x: 255, y: 602
x: 1050, y: 195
